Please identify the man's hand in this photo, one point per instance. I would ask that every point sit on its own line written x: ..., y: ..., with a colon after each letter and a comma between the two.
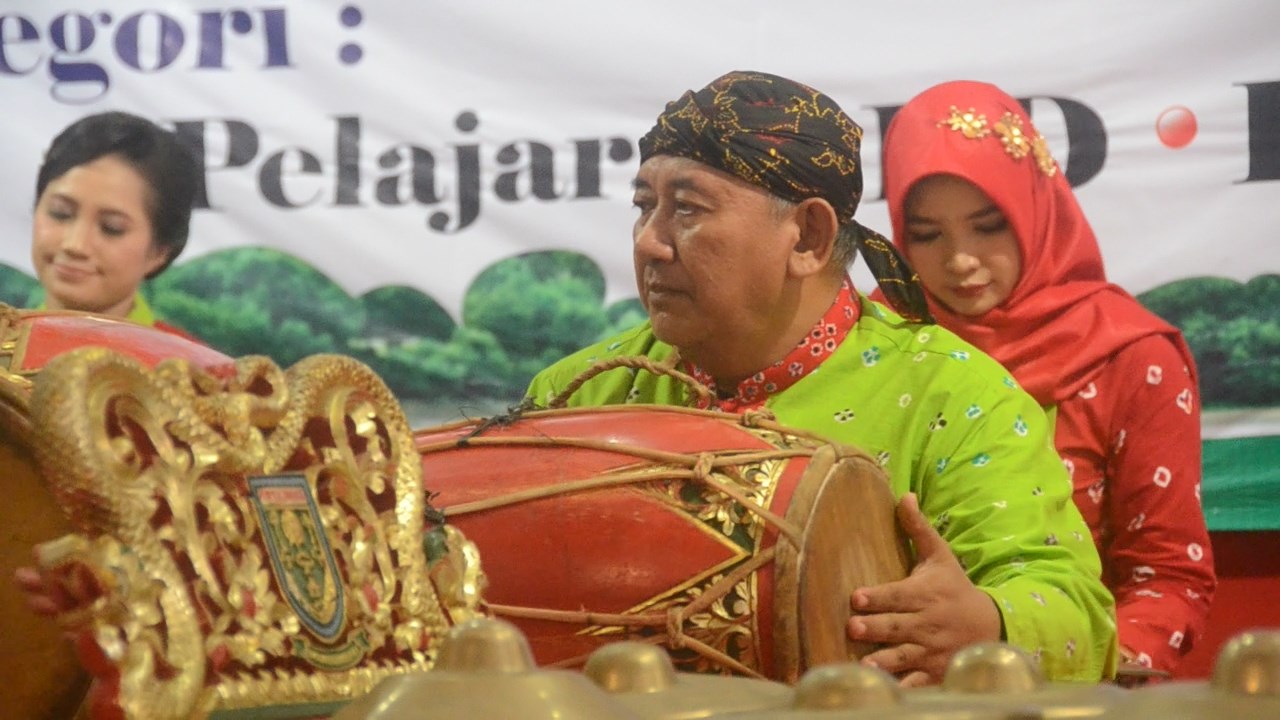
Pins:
x: 926, y: 617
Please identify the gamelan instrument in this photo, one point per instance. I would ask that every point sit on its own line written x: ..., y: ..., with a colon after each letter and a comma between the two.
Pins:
x: 486, y: 670
x: 258, y: 540
x: 42, y: 677
x: 733, y: 541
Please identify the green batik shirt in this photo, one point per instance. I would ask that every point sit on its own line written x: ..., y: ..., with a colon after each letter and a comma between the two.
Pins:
x: 948, y: 423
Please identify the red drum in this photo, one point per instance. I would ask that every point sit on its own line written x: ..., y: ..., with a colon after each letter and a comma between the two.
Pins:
x: 732, y: 540
x: 42, y: 678
x: 29, y: 338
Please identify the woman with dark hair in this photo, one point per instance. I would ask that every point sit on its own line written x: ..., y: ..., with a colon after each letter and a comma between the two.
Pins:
x: 113, y: 208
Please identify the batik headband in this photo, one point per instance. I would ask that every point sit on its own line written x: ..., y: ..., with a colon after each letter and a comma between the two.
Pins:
x: 793, y: 141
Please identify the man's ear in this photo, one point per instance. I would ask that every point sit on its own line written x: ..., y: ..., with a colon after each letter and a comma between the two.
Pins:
x: 817, y: 223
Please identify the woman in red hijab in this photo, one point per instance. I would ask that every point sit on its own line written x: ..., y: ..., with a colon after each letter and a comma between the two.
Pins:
x: 985, y: 216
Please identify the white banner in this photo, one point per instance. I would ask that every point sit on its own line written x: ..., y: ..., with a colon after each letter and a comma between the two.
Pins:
x: 417, y: 143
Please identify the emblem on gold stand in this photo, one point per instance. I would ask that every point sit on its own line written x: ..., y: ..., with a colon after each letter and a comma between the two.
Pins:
x: 258, y: 539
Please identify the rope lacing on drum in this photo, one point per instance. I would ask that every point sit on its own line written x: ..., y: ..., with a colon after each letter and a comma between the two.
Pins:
x: 756, y: 417
x: 637, y: 362
x: 704, y: 473
x: 512, y: 415
x: 703, y: 466
x: 675, y: 628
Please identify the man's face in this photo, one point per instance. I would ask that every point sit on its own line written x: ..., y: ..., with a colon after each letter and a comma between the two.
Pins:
x: 710, y: 257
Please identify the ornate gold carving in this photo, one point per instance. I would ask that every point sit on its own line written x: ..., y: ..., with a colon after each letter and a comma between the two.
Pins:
x: 455, y: 573
x: 729, y: 625
x: 13, y: 333
x: 154, y: 468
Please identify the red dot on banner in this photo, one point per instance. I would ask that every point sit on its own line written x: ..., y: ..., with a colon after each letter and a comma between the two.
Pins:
x: 1176, y: 126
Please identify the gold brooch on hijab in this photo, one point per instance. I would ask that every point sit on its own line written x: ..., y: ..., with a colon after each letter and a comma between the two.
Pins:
x: 1017, y: 143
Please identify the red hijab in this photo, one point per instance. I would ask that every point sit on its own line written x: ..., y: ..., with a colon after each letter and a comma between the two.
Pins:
x: 1063, y: 320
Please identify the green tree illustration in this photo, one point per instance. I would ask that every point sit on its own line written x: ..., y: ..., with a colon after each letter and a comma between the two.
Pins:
x: 622, y: 315
x: 17, y: 288
x: 539, y: 303
x: 1233, y: 330
x: 520, y: 315
x: 397, y: 311
x: 258, y: 301
x: 525, y: 312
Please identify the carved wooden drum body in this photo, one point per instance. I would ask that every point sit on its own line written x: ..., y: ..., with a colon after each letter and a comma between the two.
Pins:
x: 42, y: 676
x: 732, y: 540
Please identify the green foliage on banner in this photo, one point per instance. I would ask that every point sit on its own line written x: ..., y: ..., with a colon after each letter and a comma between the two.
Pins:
x: 625, y: 314
x: 521, y: 314
x: 1234, y: 333
x: 542, y: 305
x: 256, y: 301
x: 396, y: 312
x: 17, y: 288
x: 525, y: 312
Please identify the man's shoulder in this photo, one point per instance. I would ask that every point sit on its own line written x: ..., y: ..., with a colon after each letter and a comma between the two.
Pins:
x: 931, y: 346
x: 636, y: 341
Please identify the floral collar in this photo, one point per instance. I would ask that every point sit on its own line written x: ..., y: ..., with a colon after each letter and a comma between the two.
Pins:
x: 821, y: 341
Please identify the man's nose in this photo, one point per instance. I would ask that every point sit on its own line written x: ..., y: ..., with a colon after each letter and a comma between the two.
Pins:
x: 653, y: 240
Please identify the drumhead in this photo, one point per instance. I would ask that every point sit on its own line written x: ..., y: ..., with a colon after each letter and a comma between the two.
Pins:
x: 851, y: 539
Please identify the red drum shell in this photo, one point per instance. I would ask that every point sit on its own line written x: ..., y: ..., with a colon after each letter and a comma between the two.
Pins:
x: 633, y: 549
x: 39, y: 335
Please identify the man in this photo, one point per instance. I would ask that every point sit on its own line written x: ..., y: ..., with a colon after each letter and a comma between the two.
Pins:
x: 746, y: 195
